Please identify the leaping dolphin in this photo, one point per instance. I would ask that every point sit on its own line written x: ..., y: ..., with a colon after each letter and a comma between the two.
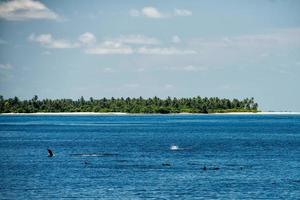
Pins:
x: 50, y: 153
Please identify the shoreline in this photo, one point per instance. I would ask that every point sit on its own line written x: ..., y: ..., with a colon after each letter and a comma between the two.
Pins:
x: 260, y: 113
x: 121, y: 113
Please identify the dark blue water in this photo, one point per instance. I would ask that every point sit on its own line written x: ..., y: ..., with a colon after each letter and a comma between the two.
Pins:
x: 129, y: 157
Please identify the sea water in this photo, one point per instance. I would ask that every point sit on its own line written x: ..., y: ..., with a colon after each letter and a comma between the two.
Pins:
x: 150, y: 157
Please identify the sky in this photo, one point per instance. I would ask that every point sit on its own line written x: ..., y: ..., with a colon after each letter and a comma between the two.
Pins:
x: 108, y: 48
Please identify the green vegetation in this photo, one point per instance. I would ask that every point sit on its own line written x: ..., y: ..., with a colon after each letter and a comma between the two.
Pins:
x: 129, y: 105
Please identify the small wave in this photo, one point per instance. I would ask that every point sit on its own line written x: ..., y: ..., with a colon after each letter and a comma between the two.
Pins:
x: 86, y: 155
x: 94, y: 154
x: 294, y: 180
x: 174, y: 148
x: 177, y: 148
x: 139, y: 166
x: 193, y: 163
x: 122, y: 161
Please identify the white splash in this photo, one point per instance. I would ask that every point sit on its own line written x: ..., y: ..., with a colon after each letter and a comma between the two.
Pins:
x: 174, y: 148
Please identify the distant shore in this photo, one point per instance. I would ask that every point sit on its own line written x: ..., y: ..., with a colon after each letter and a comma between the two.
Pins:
x: 122, y: 113
x: 259, y: 113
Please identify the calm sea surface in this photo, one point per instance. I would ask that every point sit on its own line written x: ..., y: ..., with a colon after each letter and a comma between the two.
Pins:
x: 129, y: 157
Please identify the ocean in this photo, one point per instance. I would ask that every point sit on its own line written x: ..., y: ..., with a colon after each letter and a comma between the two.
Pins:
x: 150, y: 157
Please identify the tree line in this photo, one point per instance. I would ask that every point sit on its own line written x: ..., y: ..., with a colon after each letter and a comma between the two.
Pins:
x: 129, y: 105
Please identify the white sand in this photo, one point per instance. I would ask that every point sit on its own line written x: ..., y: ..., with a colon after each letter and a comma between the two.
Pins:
x: 259, y: 113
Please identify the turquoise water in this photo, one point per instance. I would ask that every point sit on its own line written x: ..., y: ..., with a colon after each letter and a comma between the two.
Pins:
x: 129, y: 157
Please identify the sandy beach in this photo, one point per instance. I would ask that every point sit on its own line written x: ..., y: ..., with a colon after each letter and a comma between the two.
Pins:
x: 259, y: 113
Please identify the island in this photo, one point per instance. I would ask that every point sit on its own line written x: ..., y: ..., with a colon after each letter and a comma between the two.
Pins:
x: 129, y: 105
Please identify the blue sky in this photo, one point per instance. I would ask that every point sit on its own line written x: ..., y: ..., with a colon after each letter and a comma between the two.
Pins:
x: 231, y: 49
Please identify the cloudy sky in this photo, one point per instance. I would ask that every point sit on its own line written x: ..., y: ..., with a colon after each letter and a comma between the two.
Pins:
x: 231, y: 49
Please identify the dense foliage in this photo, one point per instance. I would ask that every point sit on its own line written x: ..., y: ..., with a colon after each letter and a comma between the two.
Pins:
x: 128, y: 105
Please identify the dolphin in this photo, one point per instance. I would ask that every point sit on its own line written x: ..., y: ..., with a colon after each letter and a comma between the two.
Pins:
x: 50, y: 153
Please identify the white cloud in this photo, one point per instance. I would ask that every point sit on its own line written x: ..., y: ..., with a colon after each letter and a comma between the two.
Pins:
x: 176, y: 39
x: 110, y: 47
x: 6, y: 66
x: 130, y: 44
x: 18, y: 10
x: 87, y: 38
x: 138, y: 39
x: 48, y: 41
x: 102, y: 51
x: 241, y: 51
x: 151, y: 12
x: 266, y: 40
x: 182, y: 12
x: 191, y: 68
x: 43, y: 38
x: 164, y: 51
x: 109, y: 70
x: 188, y: 68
